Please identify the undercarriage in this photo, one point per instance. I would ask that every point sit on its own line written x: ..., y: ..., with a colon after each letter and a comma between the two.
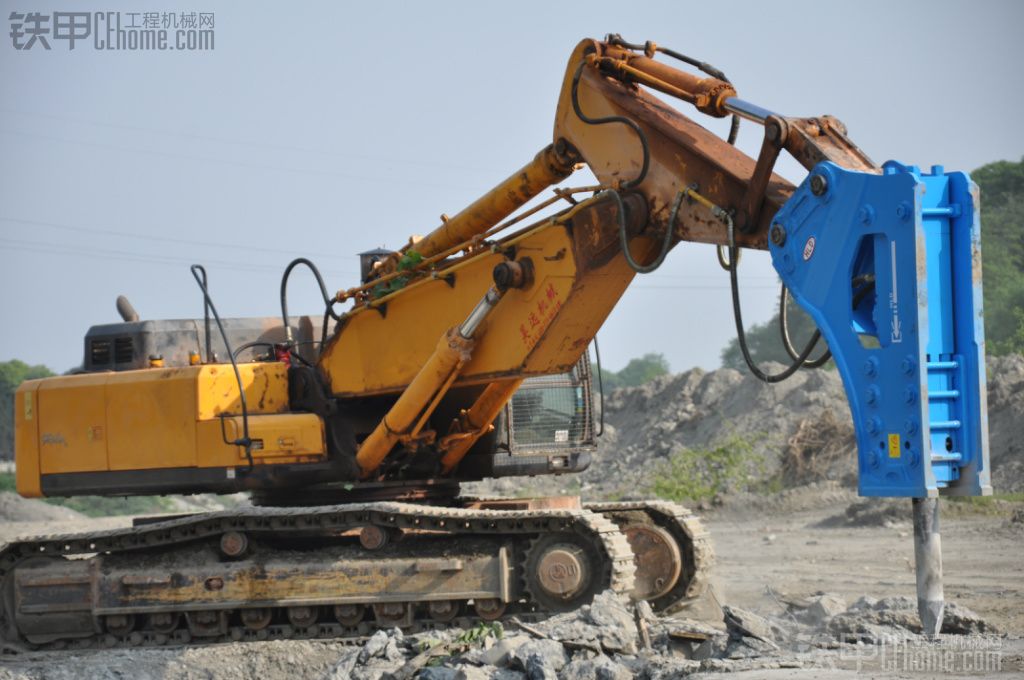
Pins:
x: 342, y: 571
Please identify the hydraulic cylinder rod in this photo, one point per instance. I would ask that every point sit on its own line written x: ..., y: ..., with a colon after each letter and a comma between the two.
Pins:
x: 476, y: 421
x: 423, y: 394
x: 551, y: 165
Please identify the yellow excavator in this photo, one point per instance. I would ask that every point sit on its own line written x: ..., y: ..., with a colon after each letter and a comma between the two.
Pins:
x: 464, y: 356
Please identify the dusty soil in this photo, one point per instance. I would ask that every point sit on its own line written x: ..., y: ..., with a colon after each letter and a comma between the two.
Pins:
x: 764, y: 553
x: 770, y: 553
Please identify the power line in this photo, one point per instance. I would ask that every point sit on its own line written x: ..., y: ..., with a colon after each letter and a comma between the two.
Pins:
x: 55, y: 249
x: 250, y: 143
x: 724, y: 286
x: 147, y: 258
x: 244, y: 164
x: 276, y: 251
x: 164, y: 239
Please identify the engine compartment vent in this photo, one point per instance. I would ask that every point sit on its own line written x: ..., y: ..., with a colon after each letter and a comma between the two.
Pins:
x: 124, y: 350
x: 99, y: 352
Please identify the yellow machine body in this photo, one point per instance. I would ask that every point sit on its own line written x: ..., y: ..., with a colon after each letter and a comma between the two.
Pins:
x: 77, y: 428
x: 579, y: 276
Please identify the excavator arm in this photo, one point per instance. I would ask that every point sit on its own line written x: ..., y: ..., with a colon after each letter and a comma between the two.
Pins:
x: 861, y: 248
x: 885, y: 260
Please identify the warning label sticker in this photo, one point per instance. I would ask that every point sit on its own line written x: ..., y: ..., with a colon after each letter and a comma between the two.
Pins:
x: 894, y: 445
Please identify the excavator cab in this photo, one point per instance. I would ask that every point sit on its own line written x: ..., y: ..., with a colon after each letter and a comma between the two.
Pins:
x: 548, y: 427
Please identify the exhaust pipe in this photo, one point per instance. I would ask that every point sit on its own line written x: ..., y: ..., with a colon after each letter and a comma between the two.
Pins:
x: 125, y: 309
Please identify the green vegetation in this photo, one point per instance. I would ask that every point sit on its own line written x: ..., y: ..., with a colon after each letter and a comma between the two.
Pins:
x: 480, y: 632
x: 440, y: 652
x: 101, y: 506
x: 702, y: 474
x: 1002, y: 244
x: 1002, y: 249
x: 12, y: 374
x: 637, y: 372
x: 1004, y: 505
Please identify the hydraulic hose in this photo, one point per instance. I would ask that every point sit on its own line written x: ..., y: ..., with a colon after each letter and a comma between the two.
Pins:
x: 612, y: 119
x: 328, y: 300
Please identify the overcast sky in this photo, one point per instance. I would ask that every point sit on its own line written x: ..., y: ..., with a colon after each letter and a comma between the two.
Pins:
x: 325, y: 129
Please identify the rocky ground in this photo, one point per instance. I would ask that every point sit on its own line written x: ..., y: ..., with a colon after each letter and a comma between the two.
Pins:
x: 808, y: 583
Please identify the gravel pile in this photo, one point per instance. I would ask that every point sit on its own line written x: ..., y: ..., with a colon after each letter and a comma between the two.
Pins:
x: 14, y: 508
x: 1006, y: 422
x: 614, y: 640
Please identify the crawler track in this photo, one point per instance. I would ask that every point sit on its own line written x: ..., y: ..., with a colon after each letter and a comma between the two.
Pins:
x: 514, y: 530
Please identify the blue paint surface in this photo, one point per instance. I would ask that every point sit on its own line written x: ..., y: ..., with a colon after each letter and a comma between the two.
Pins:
x: 889, y: 267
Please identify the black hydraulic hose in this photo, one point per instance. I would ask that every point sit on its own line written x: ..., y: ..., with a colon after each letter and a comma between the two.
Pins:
x: 865, y: 280
x: 611, y: 119
x: 250, y: 345
x: 787, y: 343
x: 666, y: 243
x: 328, y: 300
x: 206, y: 315
x: 737, y: 313
x: 291, y: 351
x: 245, y: 440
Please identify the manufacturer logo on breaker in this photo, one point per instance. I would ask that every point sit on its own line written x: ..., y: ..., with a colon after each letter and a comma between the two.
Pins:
x: 809, y: 248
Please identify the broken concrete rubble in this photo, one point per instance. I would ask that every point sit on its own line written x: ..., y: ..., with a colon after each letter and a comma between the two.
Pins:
x: 602, y: 641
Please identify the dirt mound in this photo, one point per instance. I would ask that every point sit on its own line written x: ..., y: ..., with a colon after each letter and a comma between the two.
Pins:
x: 698, y: 410
x: 871, y: 621
x: 14, y: 508
x: 1006, y: 422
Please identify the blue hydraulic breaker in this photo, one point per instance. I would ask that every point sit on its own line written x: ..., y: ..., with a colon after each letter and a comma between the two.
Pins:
x: 889, y: 267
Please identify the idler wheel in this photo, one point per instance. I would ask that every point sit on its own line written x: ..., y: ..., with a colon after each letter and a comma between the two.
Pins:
x: 658, y: 560
x: 559, y: 572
